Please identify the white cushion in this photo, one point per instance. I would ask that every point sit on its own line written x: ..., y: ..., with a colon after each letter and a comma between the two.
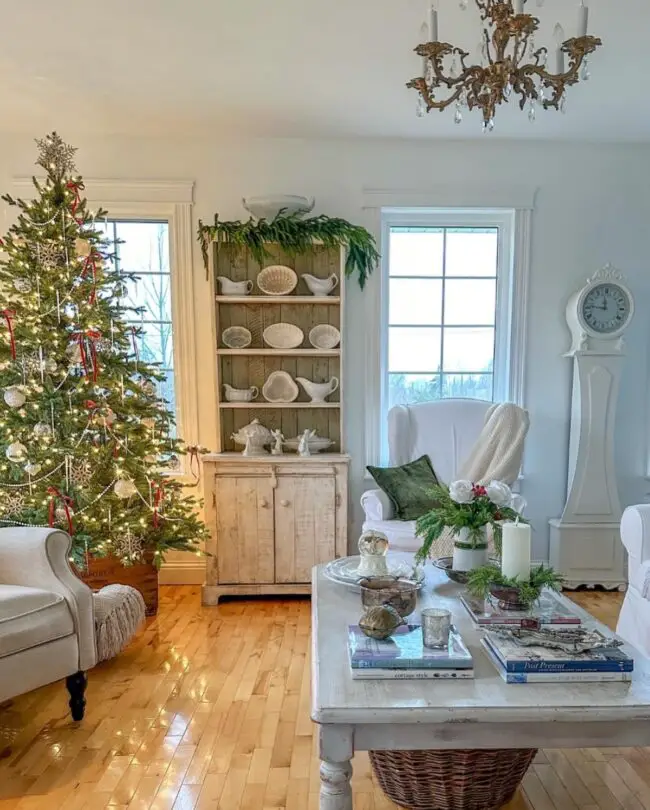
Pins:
x: 30, y: 616
x: 376, y: 504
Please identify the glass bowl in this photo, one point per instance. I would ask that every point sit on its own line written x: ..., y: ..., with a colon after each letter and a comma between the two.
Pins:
x: 400, y: 594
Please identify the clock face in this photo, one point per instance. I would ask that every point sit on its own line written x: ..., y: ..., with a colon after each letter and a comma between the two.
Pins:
x: 606, y: 308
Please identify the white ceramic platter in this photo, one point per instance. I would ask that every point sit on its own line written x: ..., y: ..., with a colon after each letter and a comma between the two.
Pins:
x: 236, y: 337
x: 270, y: 206
x: 283, y: 336
x: 324, y: 336
x: 344, y: 571
x: 277, y: 279
x: 280, y: 387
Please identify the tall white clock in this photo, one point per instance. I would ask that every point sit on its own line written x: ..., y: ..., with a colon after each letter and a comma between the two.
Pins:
x: 585, y: 543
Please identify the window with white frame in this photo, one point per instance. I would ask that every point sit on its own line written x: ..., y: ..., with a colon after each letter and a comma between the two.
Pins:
x: 141, y: 248
x: 447, y: 281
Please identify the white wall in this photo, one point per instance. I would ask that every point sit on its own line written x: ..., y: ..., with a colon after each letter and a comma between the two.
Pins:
x: 593, y: 206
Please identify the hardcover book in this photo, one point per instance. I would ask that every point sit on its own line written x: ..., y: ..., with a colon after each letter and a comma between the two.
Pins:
x: 550, y: 609
x: 515, y: 657
x: 555, y: 677
x: 405, y: 650
x: 372, y: 674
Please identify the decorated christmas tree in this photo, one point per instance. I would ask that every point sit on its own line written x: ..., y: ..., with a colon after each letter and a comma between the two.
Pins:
x: 86, y: 443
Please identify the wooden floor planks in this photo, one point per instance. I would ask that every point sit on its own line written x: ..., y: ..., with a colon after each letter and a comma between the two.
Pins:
x: 209, y: 710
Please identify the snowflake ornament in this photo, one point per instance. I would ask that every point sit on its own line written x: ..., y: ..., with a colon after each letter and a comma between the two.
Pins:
x: 50, y: 254
x: 128, y: 548
x: 81, y: 473
x: 12, y: 503
x: 56, y: 155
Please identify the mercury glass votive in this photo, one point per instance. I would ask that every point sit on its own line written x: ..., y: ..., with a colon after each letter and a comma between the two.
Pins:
x: 436, y: 626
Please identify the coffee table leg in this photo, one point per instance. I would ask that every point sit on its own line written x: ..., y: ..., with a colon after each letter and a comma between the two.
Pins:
x: 336, y: 751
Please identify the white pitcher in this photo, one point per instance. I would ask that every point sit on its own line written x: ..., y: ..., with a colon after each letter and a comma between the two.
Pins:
x: 230, y: 287
x: 320, y: 286
x: 241, y: 394
x: 318, y: 391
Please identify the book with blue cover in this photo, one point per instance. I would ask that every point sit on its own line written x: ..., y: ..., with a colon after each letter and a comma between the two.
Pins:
x: 405, y: 650
x: 515, y: 657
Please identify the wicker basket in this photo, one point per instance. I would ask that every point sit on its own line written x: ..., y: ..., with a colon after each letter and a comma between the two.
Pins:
x: 110, y: 571
x: 451, y: 780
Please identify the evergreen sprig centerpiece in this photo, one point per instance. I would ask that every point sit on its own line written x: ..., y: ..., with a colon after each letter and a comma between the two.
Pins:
x: 489, y: 581
x: 87, y: 444
x: 296, y: 235
x: 466, y: 510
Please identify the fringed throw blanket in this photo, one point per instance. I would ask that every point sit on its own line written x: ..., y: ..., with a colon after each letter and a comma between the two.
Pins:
x: 119, y: 612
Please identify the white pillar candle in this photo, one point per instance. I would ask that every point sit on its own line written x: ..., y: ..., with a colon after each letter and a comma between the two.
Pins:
x: 583, y: 19
x: 516, y: 551
x: 433, y: 27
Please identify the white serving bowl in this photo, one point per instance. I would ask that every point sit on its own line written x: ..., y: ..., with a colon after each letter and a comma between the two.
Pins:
x: 324, y: 336
x: 283, y: 336
x: 269, y: 206
x: 277, y: 279
x: 236, y: 337
x: 280, y: 387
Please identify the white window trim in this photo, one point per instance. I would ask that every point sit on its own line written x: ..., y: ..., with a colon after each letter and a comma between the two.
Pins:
x: 517, y: 199
x: 170, y: 201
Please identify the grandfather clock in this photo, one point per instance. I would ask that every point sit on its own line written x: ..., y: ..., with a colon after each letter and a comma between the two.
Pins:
x: 585, y: 544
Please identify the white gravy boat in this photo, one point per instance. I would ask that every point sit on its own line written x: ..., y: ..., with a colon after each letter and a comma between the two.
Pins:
x: 318, y: 391
x: 321, y: 286
x: 230, y: 287
x: 241, y: 394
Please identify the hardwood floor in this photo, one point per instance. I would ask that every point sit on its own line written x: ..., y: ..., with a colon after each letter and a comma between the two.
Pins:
x: 209, y: 708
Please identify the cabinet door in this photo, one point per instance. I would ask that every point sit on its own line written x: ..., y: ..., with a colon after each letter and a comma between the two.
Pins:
x: 244, y: 509
x: 305, y: 525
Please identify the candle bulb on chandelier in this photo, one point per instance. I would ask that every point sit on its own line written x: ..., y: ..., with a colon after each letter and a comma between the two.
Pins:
x: 433, y: 26
x: 519, y: 7
x: 558, y: 33
x: 583, y: 19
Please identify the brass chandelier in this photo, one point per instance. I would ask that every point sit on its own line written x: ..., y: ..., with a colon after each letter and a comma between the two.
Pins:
x: 511, y: 64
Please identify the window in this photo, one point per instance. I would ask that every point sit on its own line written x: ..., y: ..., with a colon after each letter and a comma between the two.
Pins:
x: 448, y: 311
x: 142, y: 248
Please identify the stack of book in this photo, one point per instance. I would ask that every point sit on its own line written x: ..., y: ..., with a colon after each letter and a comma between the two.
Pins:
x: 550, y: 609
x: 519, y: 664
x: 404, y: 657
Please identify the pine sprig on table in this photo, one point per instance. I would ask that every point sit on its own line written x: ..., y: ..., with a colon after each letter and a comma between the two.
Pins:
x: 481, y: 580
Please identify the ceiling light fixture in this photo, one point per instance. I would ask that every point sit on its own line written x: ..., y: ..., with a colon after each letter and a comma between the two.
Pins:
x: 511, y: 64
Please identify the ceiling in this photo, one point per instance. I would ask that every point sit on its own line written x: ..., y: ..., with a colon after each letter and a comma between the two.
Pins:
x: 287, y: 68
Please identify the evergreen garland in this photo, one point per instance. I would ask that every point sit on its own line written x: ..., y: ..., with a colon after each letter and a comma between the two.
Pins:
x: 481, y: 580
x: 296, y: 235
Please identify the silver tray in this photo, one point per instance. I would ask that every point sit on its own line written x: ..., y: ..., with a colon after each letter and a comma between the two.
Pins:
x: 344, y: 571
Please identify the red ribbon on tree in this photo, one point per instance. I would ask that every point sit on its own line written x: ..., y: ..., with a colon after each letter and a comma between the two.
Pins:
x: 76, y: 186
x: 91, y: 335
x: 159, y: 494
x: 8, y: 315
x: 90, y: 265
x: 67, y: 502
x: 90, y: 404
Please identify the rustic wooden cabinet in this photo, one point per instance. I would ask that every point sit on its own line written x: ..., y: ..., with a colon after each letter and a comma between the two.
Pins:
x: 271, y: 519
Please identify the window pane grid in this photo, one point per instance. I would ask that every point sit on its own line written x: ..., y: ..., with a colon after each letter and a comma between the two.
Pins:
x: 452, y: 354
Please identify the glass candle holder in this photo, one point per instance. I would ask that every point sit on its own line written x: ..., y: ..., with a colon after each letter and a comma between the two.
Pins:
x: 436, y: 626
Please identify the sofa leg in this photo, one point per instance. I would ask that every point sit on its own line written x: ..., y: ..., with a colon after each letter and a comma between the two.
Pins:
x: 76, y: 685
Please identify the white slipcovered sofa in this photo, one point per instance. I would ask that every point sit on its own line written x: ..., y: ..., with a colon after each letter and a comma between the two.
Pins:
x: 446, y: 431
x: 47, y: 629
x: 634, y: 619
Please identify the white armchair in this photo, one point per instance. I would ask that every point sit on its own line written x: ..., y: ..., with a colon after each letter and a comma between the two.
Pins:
x: 446, y: 431
x: 47, y: 627
x: 634, y: 619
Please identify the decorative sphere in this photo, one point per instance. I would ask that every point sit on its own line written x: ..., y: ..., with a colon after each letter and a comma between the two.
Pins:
x: 148, y: 386
x: 60, y: 515
x: 23, y: 285
x: 14, y: 397
x: 124, y: 488
x: 32, y: 469
x: 174, y: 462
x: 49, y: 365
x: 73, y: 353
x: 42, y: 430
x: 373, y: 544
x: 16, y: 452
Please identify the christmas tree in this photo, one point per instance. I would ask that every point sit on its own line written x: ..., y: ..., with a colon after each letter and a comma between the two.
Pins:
x: 86, y: 444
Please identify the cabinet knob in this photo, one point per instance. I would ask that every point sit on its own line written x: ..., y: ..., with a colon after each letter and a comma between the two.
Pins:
x: 263, y: 503
x: 284, y: 503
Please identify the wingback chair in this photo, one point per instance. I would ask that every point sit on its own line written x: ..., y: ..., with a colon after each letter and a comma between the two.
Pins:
x: 446, y: 430
x: 47, y: 629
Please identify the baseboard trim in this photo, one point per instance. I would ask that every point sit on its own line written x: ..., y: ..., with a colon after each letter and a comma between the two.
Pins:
x: 182, y: 573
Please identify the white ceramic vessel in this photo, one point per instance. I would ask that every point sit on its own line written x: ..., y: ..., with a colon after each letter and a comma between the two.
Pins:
x: 241, y: 394
x: 283, y: 336
x: 318, y: 392
x: 236, y: 337
x: 230, y: 287
x: 324, y: 336
x: 280, y: 387
x: 253, y: 436
x: 277, y: 279
x: 270, y: 206
x: 320, y: 286
x: 467, y: 559
x: 316, y: 443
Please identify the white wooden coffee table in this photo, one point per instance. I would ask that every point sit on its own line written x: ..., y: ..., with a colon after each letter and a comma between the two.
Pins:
x: 484, y: 713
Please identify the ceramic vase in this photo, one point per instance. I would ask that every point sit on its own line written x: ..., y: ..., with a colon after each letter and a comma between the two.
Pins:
x: 467, y: 559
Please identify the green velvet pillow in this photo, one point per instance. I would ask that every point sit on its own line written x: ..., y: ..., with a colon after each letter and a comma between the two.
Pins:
x: 408, y: 487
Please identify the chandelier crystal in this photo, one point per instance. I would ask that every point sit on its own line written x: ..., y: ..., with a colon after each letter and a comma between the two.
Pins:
x: 511, y: 64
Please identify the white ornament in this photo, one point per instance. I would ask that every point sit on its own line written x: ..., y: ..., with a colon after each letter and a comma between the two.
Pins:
x: 49, y: 365
x: 16, y: 452
x: 23, y: 285
x: 124, y: 488
x: 32, y: 469
x: 42, y: 430
x: 14, y: 397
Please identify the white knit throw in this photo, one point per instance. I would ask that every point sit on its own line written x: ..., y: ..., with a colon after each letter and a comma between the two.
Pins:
x: 496, y: 456
x: 119, y: 612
